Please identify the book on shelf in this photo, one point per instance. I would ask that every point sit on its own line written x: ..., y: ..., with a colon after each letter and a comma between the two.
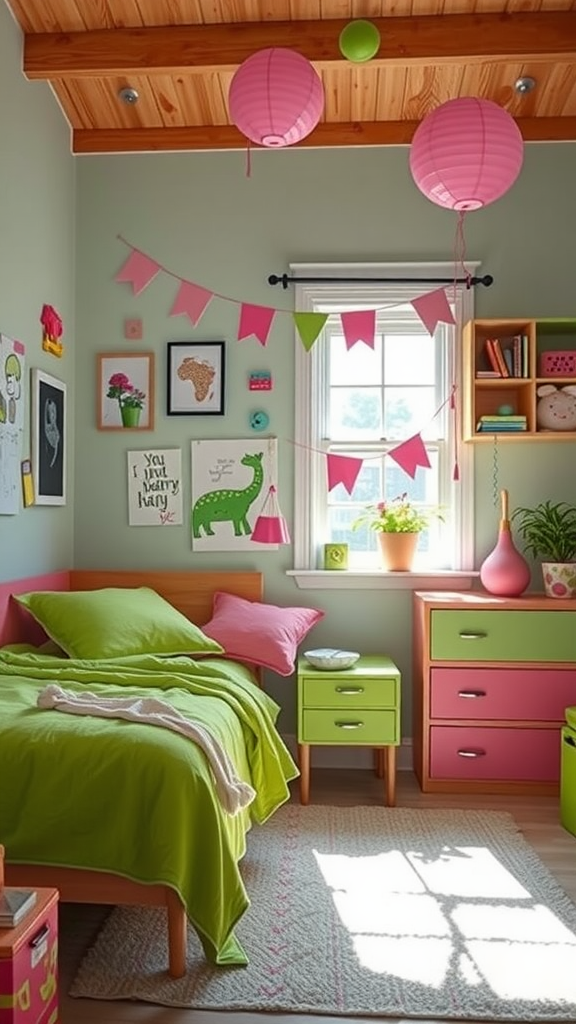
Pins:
x: 498, y: 362
x: 491, y: 357
x: 14, y: 905
x: 501, y: 428
x: 487, y: 374
x: 503, y: 417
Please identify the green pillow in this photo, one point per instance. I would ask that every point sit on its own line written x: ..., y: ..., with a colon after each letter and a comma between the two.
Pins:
x: 115, y: 622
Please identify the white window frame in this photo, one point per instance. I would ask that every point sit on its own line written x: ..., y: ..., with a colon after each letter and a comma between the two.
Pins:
x: 310, y: 467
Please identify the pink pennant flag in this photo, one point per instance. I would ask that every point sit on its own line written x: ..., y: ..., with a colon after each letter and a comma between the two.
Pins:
x: 359, y: 325
x: 256, y: 320
x: 433, y: 308
x: 342, y: 470
x: 411, y: 454
x: 191, y: 301
x: 138, y: 270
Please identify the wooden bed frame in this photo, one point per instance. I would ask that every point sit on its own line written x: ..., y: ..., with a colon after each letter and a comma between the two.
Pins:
x: 191, y: 593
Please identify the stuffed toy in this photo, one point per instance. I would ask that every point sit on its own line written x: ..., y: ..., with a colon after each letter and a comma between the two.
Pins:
x: 556, y: 409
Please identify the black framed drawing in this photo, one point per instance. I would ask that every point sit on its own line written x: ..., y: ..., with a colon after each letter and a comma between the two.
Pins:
x: 48, y: 438
x: 196, y: 378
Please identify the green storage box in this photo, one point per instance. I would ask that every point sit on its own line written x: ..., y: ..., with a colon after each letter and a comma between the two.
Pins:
x: 568, y: 778
x: 571, y: 717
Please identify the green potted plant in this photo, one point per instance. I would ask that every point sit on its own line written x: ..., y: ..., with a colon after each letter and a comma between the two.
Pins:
x: 130, y: 399
x: 397, y: 524
x: 549, y: 533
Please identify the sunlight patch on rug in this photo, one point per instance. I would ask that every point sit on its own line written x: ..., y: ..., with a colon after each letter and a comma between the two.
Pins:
x: 368, y: 911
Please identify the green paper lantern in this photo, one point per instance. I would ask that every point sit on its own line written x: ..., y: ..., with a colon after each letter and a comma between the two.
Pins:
x: 359, y: 41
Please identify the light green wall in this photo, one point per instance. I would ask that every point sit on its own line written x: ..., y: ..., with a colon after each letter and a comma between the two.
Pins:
x: 37, y: 199
x: 204, y: 220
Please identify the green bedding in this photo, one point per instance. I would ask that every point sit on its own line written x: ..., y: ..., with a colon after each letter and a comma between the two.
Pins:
x: 133, y: 799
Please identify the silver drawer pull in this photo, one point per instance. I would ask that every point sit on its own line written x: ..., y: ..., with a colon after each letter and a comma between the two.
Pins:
x: 472, y: 693
x: 349, y: 725
x: 349, y: 690
x: 474, y: 752
x: 473, y: 636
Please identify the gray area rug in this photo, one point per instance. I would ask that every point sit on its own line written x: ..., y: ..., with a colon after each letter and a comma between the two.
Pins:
x: 368, y: 911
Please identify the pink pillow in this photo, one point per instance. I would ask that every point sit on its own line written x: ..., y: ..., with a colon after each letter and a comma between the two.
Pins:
x: 261, y: 634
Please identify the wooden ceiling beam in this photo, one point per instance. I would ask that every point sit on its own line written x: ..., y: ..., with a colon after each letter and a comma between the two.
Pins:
x: 457, y: 38
x: 227, y: 137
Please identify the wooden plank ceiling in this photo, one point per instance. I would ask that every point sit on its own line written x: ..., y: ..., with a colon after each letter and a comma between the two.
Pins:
x: 180, y: 56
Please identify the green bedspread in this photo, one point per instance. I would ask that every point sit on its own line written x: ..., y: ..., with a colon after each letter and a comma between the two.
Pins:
x: 133, y: 799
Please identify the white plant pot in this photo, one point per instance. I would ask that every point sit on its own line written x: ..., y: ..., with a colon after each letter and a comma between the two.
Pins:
x: 559, y: 579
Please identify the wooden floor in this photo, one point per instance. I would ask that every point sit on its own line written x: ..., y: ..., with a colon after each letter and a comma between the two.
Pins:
x: 537, y: 817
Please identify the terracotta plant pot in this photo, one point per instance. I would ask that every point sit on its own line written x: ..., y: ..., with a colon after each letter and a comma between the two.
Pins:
x: 559, y: 579
x: 397, y: 550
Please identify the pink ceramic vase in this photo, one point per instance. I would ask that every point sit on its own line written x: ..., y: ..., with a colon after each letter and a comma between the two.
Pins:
x: 505, y: 572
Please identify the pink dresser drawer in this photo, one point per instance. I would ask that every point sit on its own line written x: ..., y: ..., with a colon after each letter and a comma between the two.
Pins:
x: 518, y: 694
x: 477, y: 752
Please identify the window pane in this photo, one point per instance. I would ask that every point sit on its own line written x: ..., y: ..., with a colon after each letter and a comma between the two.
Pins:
x: 408, y: 411
x: 409, y: 359
x: 355, y: 413
x: 358, y: 365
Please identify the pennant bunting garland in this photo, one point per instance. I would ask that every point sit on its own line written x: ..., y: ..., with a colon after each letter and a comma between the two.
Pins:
x: 359, y: 325
x: 342, y: 470
x: 256, y: 320
x: 309, y: 326
x: 138, y: 270
x: 411, y: 454
x: 191, y: 301
x: 433, y: 309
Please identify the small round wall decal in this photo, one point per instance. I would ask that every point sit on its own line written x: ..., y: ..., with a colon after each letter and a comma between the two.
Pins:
x: 259, y: 420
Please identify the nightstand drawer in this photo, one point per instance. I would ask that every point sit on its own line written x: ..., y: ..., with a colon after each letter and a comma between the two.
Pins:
x: 510, y: 635
x: 347, y: 692
x: 331, y: 725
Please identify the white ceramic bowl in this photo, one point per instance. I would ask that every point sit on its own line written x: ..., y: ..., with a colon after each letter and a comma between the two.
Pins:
x: 331, y: 658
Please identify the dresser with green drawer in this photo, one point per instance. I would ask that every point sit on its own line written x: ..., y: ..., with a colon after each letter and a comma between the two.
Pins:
x: 492, y: 679
x: 358, y: 706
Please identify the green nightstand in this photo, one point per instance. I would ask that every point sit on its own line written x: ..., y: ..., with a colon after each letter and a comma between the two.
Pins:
x: 357, y: 707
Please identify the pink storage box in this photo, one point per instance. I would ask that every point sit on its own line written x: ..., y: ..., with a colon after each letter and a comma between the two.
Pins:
x: 29, y: 965
x: 561, y: 363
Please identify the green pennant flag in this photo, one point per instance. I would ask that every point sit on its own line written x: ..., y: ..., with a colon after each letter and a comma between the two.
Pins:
x: 309, y: 326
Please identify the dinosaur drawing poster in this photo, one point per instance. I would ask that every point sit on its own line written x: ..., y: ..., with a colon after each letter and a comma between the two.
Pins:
x: 11, y: 423
x: 230, y: 481
x: 155, y: 487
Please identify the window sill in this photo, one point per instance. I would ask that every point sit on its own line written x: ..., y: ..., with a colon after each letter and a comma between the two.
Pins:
x: 349, y: 579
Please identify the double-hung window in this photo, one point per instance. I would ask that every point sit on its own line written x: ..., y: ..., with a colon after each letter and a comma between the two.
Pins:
x: 365, y: 402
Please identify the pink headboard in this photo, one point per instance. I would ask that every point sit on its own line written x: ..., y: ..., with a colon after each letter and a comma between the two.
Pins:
x: 16, y: 625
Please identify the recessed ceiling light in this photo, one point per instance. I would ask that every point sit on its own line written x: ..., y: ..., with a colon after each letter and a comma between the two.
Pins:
x: 128, y: 95
x: 524, y: 84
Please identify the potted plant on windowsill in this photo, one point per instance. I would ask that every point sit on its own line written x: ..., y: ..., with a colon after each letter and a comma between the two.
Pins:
x: 397, y: 524
x: 549, y: 533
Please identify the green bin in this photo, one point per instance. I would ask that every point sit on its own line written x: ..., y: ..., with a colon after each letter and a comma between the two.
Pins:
x: 568, y: 780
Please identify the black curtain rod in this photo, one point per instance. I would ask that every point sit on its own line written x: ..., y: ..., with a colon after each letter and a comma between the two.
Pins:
x: 285, y: 280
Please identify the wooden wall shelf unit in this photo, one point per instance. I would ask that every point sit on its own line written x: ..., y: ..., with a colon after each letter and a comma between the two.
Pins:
x: 483, y: 396
x: 492, y: 679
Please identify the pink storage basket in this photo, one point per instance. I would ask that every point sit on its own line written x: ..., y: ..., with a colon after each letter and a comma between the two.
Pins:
x: 558, y: 364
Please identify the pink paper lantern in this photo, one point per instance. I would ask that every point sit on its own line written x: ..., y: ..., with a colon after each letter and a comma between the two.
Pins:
x: 276, y: 97
x: 466, y: 153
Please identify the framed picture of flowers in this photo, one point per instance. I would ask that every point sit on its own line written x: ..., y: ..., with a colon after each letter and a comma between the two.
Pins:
x: 125, y: 391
